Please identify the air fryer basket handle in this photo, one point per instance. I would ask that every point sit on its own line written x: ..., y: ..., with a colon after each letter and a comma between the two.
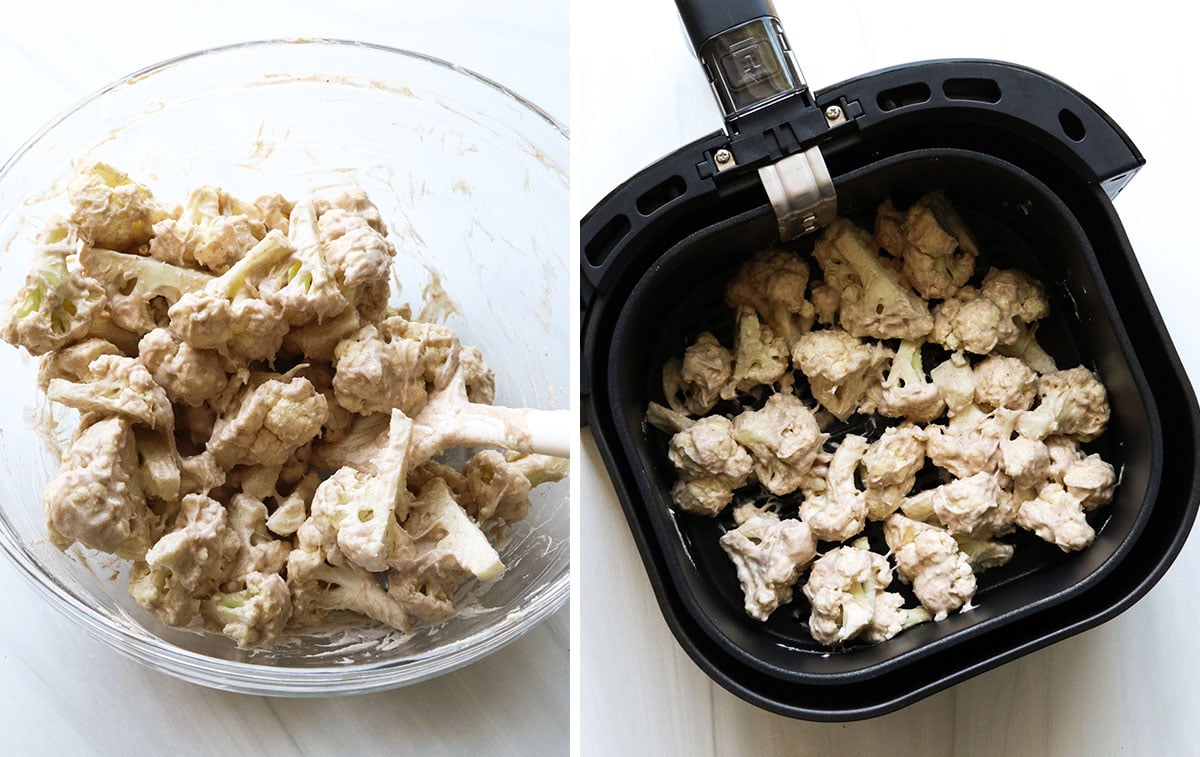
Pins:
x: 705, y: 19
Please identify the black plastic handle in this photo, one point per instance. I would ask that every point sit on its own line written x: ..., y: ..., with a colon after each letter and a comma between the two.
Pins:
x: 705, y: 19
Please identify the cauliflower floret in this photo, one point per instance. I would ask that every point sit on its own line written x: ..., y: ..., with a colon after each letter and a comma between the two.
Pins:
x: 974, y: 507
x: 759, y: 357
x: 955, y: 381
x: 73, y: 362
x: 984, y: 554
x: 919, y: 506
x: 711, y: 465
x: 1073, y: 403
x: 995, y: 315
x: 274, y: 209
x: 846, y: 587
x: 1004, y: 382
x: 873, y: 298
x: 140, y: 290
x: 1025, y: 461
x: 110, y: 210
x: 254, y: 616
x: 773, y: 284
x: 303, y: 284
x: 929, y: 559
x: 826, y: 300
x: 496, y: 485
x: 841, y: 368
x: 783, y: 439
x: 96, y: 497
x: 228, y: 315
x: 446, y: 542
x: 1018, y: 295
x: 117, y: 385
x: 189, y: 375
x: 769, y: 554
x: 840, y: 511
x: 1026, y: 348
x: 318, y: 340
x: 933, y: 241
x: 1091, y: 480
x: 358, y: 514
x: 214, y: 230
x: 187, y: 565
x: 268, y: 423
x: 259, y: 552
x: 890, y: 468
x: 361, y: 260
x: 478, y: 377
x: 694, y: 385
x: 906, y: 392
x: 353, y: 201
x: 393, y: 365
x: 56, y: 305
x: 970, y: 443
x: 1057, y: 516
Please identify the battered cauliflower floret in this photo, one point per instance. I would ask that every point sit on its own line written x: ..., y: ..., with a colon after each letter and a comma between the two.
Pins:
x: 353, y: 201
x: 1072, y: 403
x: 445, y: 541
x: 253, y: 616
x: 970, y: 443
x: 1057, y: 516
x: 117, y: 385
x: 213, y: 231
x: 826, y: 300
x: 874, y: 300
x: 932, y: 240
x: 303, y: 285
x: 769, y: 555
x: 478, y: 377
x: 259, y: 552
x: 228, y: 315
x: 1091, y: 480
x: 995, y: 315
x: 694, y: 385
x: 711, y: 465
x: 1025, y: 461
x: 847, y: 591
x: 906, y: 392
x: 1018, y: 295
x: 773, y: 284
x: 497, y: 485
x: 841, y: 368
x: 890, y: 468
x: 267, y: 423
x: 140, y: 291
x: 929, y: 559
x: 189, y: 376
x: 974, y: 507
x: 73, y: 362
x: 110, y: 210
x: 783, y: 439
x: 955, y: 381
x: 1004, y: 382
x: 361, y: 259
x: 188, y: 564
x: 840, y: 511
x: 56, y: 305
x: 393, y: 365
x: 96, y: 497
x: 759, y: 357
x: 984, y: 554
x: 1027, y: 349
x: 274, y: 209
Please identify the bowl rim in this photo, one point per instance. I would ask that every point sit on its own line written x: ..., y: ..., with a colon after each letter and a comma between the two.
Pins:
x: 257, y: 678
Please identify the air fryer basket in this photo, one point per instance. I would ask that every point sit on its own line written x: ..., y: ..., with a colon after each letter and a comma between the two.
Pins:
x: 1032, y: 165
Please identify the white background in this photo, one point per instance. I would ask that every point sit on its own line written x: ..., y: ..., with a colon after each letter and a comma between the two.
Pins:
x: 1131, y: 686
x: 61, y: 692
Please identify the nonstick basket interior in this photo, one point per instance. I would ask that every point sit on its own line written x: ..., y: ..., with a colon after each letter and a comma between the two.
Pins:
x: 1018, y: 223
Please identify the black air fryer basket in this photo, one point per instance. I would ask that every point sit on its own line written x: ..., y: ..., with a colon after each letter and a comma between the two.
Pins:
x: 1033, y: 167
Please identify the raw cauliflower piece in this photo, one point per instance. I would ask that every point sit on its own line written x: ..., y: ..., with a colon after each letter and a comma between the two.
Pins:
x: 140, y: 290
x: 932, y: 240
x: 874, y: 300
x: 268, y: 422
x: 111, y: 210
x: 96, y: 497
x: 1072, y: 403
x: 318, y: 340
x: 445, y: 541
x: 189, y: 375
x: 1019, y: 296
x: 274, y: 210
x: 840, y: 511
x: 984, y: 554
x: 1025, y: 461
x: 890, y: 468
x: 841, y: 369
x: 783, y: 439
x: 970, y: 443
x: 711, y: 465
x: 188, y: 564
x: 254, y: 616
x: 694, y: 384
x: 352, y: 201
x: 980, y: 320
x: 1057, y: 516
x: 847, y: 591
x: 760, y: 358
x: 393, y: 364
x: 929, y: 559
x: 1004, y: 382
x: 360, y: 257
x: 56, y: 305
x: 72, y: 363
x: 1027, y: 349
x: 773, y: 284
x: 259, y: 552
x: 228, y: 315
x: 974, y: 507
x: 769, y: 555
x: 955, y: 381
x: 213, y: 230
x: 905, y: 391
x: 497, y: 485
x: 1091, y: 480
x: 117, y: 385
x: 358, y: 514
x: 303, y: 284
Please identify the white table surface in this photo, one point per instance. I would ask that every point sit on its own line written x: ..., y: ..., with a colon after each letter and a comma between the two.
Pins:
x: 61, y: 692
x: 1131, y: 686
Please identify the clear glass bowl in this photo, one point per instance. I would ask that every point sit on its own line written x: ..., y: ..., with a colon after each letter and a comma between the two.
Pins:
x: 472, y: 180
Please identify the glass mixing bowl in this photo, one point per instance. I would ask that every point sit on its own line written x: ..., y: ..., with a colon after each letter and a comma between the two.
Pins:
x: 472, y: 181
